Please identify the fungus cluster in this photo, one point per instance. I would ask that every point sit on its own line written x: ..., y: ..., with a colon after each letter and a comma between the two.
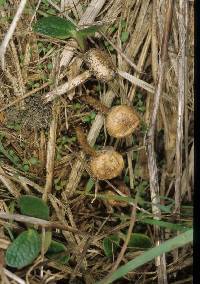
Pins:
x: 120, y: 121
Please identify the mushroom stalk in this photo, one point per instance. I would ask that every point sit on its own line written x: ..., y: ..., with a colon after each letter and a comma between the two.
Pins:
x: 96, y: 104
x: 84, y: 143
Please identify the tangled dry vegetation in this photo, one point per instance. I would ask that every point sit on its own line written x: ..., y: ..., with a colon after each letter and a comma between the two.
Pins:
x: 151, y: 40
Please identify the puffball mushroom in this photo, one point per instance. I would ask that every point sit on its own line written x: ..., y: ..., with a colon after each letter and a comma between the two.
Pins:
x: 99, y: 64
x: 107, y: 164
x: 104, y: 164
x: 121, y: 121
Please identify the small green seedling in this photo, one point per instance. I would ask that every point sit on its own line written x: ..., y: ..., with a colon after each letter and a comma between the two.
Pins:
x: 89, y: 118
x: 139, y: 241
x: 63, y: 29
x: 58, y: 252
x: 110, y: 245
x: 26, y: 247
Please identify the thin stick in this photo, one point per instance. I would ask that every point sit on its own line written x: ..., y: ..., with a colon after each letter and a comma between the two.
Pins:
x: 10, y: 32
x: 38, y: 222
x: 13, y: 276
x: 125, y: 244
x: 153, y: 171
x: 121, y: 53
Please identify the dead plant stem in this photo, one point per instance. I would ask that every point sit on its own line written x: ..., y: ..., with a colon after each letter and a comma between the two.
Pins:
x: 10, y: 32
x: 153, y: 171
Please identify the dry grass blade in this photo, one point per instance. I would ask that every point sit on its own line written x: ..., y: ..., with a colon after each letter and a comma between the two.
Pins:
x: 181, y: 99
x: 153, y: 171
x: 137, y: 82
x: 51, y: 153
x: 10, y: 32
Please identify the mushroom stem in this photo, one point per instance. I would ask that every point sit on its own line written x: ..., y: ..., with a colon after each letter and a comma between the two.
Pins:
x: 62, y: 89
x: 84, y: 143
x: 96, y: 104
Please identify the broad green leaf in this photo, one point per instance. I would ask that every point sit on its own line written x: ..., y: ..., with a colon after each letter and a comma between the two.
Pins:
x: 34, y: 207
x: 55, y: 27
x: 139, y: 241
x: 24, y: 249
x: 149, y: 255
x: 124, y: 36
x: 57, y: 251
x: 110, y: 245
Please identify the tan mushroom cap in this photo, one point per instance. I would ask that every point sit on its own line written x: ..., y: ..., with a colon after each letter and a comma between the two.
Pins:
x: 107, y: 164
x: 100, y: 64
x: 121, y: 121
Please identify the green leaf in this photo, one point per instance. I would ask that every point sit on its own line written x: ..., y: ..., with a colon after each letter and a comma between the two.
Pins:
x: 149, y: 255
x: 34, y: 161
x: 33, y: 206
x: 124, y: 36
x: 24, y: 249
x: 55, y: 27
x: 164, y: 224
x: 110, y: 245
x: 2, y: 2
x: 139, y: 241
x: 89, y: 185
x: 57, y: 251
x: 88, y: 31
x: 47, y: 240
x: 123, y: 23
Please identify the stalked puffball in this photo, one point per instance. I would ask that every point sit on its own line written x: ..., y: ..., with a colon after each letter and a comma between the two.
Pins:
x: 106, y: 164
x: 100, y: 64
x: 121, y: 121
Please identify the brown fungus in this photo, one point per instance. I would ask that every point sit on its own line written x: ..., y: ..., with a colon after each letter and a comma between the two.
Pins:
x: 104, y: 164
x: 100, y: 64
x: 107, y: 164
x: 121, y: 121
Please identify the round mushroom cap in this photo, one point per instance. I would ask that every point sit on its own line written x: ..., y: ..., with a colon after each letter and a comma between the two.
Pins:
x: 107, y: 164
x: 100, y: 64
x: 121, y: 121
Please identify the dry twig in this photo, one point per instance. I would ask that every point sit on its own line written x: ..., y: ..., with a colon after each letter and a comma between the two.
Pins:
x: 10, y: 32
